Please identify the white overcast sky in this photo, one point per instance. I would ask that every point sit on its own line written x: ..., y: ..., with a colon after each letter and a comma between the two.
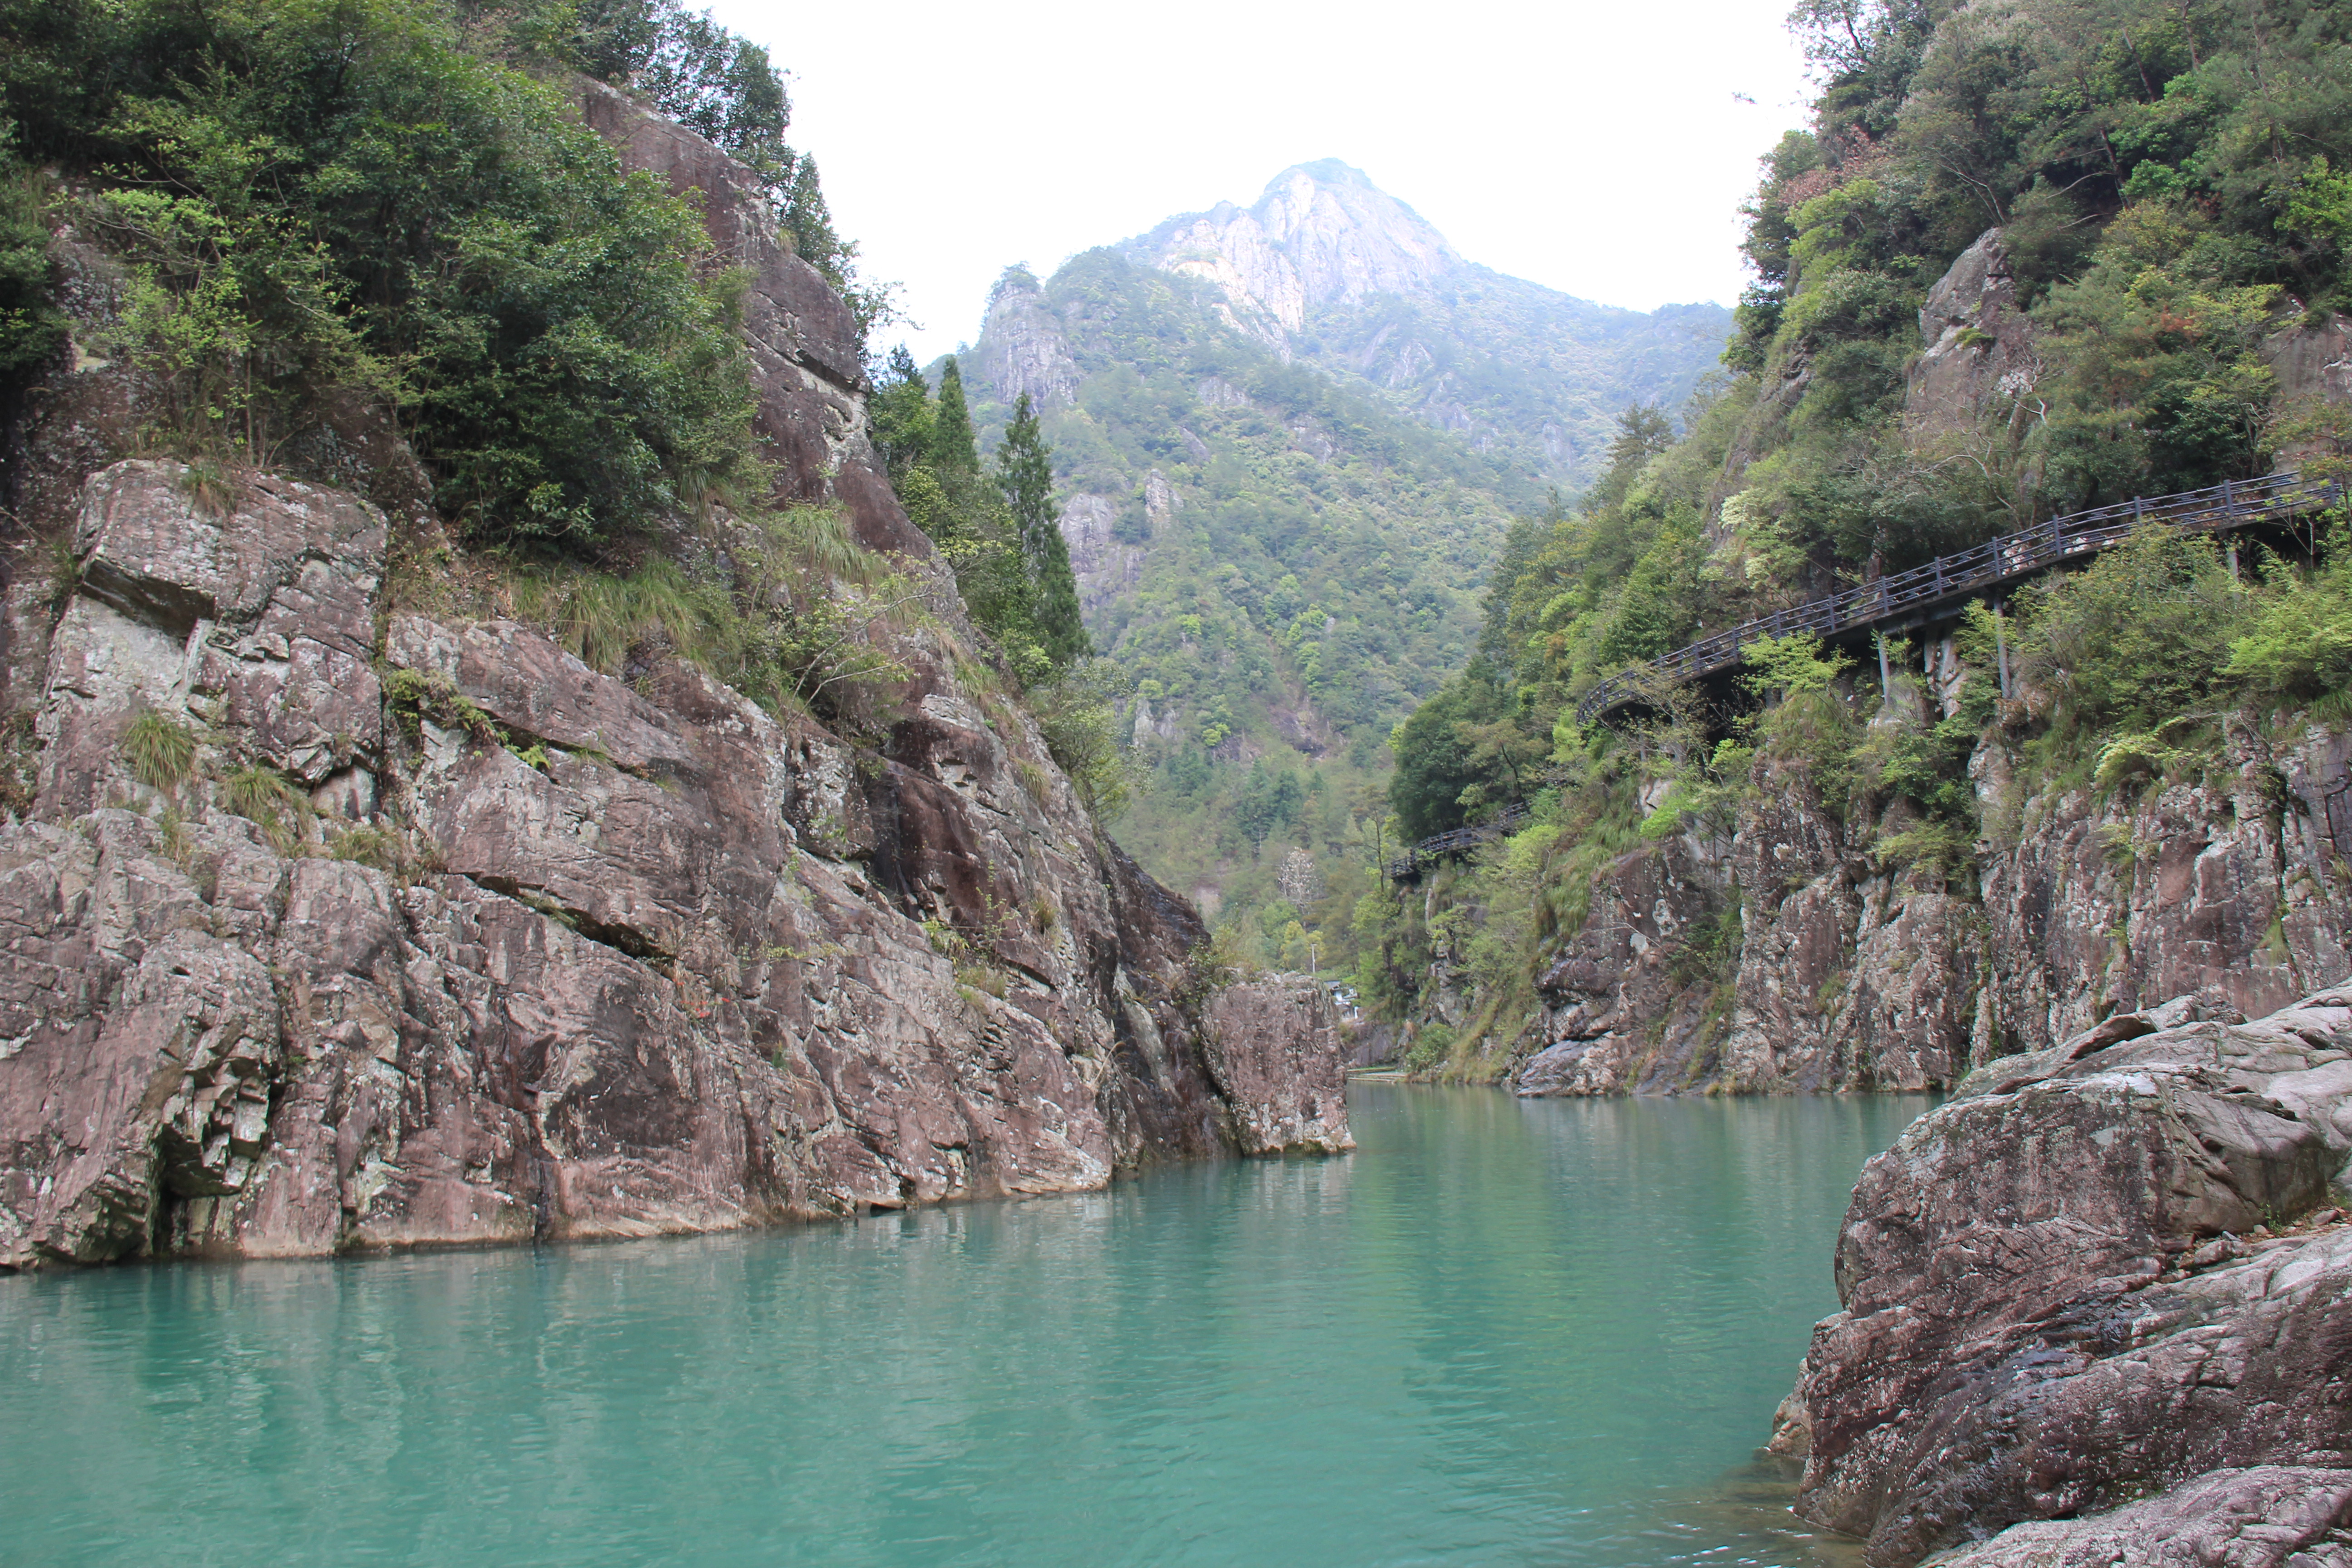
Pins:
x: 1600, y: 149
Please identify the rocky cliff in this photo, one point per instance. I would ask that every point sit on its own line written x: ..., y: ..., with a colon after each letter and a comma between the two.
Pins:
x: 1793, y: 947
x: 2106, y: 1270
x: 341, y: 912
x: 1837, y: 970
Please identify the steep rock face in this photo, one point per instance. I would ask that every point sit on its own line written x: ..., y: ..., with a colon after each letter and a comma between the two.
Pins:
x: 1820, y: 973
x: 1980, y: 345
x: 1320, y: 235
x: 2046, y: 1308
x: 807, y: 358
x: 437, y: 936
x: 1023, y: 349
x: 1847, y: 975
x: 2313, y: 361
x: 1105, y: 566
x: 2110, y: 903
x: 1618, y: 1015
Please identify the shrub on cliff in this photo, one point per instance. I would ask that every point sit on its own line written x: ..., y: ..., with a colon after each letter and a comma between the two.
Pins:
x: 315, y: 194
x: 2297, y: 645
x: 2140, y: 636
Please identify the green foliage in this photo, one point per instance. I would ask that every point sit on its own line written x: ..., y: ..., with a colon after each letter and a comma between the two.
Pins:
x: 1025, y: 473
x: 367, y: 845
x: 1794, y: 666
x: 799, y: 620
x: 2297, y: 647
x: 271, y: 801
x: 315, y: 196
x: 162, y: 752
x: 413, y: 696
x: 900, y: 413
x: 950, y: 449
x: 2138, y: 637
x: 1432, y: 1044
x: 32, y: 328
x: 1077, y: 714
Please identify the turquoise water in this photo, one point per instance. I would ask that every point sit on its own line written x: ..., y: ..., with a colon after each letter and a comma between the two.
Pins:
x: 1501, y: 1332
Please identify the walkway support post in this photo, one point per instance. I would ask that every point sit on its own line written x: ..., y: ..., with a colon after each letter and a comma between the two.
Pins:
x: 2000, y: 650
x: 1885, y: 681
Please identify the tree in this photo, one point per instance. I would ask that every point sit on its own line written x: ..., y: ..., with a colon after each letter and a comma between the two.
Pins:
x: 805, y: 215
x: 1025, y: 473
x: 952, y: 449
x: 900, y: 412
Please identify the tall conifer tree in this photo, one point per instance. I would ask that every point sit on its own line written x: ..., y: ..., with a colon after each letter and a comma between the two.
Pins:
x: 953, y: 451
x: 1025, y: 472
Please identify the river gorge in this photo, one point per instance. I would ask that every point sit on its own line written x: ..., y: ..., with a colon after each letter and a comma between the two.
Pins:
x: 1500, y: 1332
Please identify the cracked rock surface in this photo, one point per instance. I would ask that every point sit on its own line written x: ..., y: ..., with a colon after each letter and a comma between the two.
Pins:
x: 2104, y: 1271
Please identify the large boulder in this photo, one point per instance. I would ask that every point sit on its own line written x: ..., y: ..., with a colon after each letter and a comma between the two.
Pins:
x: 2049, y: 1303
x: 1273, y: 1047
x: 1977, y: 356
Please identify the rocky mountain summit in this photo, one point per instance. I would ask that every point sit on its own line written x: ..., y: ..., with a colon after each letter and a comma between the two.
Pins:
x: 1326, y: 271
x: 2104, y: 1271
x: 1321, y: 237
x: 337, y: 914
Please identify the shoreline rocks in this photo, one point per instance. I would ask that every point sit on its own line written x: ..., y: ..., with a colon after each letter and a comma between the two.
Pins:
x: 2075, y: 1285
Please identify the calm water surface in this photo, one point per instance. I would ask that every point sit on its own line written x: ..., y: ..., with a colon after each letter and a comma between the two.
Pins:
x: 1501, y: 1332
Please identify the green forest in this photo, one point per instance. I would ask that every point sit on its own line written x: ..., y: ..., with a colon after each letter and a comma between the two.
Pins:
x: 1306, y: 561
x: 398, y: 202
x: 2171, y: 190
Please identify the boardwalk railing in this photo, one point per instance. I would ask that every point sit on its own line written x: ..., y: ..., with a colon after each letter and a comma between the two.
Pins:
x: 2229, y: 504
x: 1438, y: 846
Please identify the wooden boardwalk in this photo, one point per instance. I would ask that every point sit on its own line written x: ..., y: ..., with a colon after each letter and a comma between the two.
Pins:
x: 1910, y: 597
x: 1438, y: 846
x: 1922, y: 593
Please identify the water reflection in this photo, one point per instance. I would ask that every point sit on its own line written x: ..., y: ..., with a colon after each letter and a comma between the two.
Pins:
x: 1501, y: 1332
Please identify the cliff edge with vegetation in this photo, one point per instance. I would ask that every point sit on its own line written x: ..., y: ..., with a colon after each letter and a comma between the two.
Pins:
x: 2019, y: 265
x: 489, y: 757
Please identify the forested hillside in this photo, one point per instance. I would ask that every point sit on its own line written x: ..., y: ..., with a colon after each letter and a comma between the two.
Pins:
x: 2025, y: 259
x: 1278, y: 557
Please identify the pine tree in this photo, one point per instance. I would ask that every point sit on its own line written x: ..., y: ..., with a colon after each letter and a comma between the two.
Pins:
x: 900, y: 411
x: 1025, y: 472
x: 810, y: 221
x: 953, y: 451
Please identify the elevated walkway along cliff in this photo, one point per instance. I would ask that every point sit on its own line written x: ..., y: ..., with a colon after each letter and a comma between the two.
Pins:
x: 1929, y: 592
x: 1917, y: 598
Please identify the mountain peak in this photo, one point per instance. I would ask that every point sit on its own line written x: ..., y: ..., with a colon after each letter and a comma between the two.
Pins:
x: 1321, y: 234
